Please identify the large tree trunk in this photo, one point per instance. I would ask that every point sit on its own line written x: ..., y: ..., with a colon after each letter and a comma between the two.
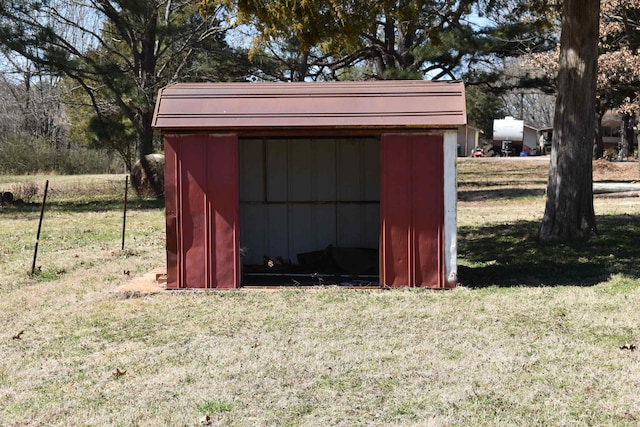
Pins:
x: 569, y: 210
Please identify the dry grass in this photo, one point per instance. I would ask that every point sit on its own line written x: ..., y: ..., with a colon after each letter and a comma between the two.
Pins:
x: 515, y: 355
x: 506, y: 191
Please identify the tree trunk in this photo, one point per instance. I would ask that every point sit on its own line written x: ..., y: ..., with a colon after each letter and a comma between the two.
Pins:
x: 146, y: 75
x: 569, y: 210
x: 598, y: 147
x: 145, y: 147
x: 627, y: 137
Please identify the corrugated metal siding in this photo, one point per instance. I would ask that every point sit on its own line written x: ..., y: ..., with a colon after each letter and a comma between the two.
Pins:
x: 412, y: 211
x: 172, y: 209
x: 290, y: 106
x: 202, y: 211
x: 301, y: 195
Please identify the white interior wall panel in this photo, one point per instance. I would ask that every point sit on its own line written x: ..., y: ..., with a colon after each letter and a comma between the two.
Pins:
x: 301, y: 174
x: 252, y: 176
x: 255, y: 235
x: 349, y: 170
x: 277, y: 225
x: 324, y: 162
x: 277, y: 170
x: 357, y: 224
x: 370, y: 154
x: 302, y: 195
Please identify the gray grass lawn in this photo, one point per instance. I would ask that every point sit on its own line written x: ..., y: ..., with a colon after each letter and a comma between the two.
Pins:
x: 499, y: 350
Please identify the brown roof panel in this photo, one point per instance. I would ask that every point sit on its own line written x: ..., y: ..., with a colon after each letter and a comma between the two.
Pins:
x: 352, y: 105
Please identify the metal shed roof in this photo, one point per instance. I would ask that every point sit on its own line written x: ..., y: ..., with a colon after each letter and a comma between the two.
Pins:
x: 406, y: 104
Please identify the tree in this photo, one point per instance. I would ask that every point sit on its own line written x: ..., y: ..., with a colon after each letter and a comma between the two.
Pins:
x: 482, y: 108
x: 619, y: 65
x: 36, y: 100
x: 118, y: 52
x: 444, y: 39
x: 618, y: 86
x: 533, y: 106
x: 291, y: 40
x: 569, y: 212
x: 388, y: 39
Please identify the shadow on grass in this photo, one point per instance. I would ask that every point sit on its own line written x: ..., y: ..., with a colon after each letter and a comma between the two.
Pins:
x: 107, y: 205
x: 483, y: 184
x: 85, y: 205
x: 503, y: 193
x: 511, y: 255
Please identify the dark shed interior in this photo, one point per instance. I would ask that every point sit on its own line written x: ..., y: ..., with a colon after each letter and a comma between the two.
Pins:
x: 309, y: 210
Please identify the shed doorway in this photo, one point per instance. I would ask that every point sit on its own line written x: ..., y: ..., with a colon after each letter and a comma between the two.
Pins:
x: 309, y: 211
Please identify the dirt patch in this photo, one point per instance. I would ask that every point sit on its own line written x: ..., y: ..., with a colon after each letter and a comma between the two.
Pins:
x: 604, y: 170
x: 511, y: 178
x: 144, y: 285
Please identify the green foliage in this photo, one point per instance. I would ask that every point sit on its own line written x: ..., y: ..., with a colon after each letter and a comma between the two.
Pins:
x: 20, y: 154
x: 114, y: 132
x: 311, y: 23
x: 141, y: 46
x: 216, y: 406
x: 396, y: 39
x: 483, y: 106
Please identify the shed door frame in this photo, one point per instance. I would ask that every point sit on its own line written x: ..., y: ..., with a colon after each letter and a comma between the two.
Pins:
x: 300, y: 195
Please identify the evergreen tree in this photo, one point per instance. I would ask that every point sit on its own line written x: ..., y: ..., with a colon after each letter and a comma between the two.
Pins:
x: 118, y: 52
x: 389, y: 39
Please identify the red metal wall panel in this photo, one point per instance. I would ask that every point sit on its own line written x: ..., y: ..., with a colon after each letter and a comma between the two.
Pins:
x: 223, y: 210
x: 204, y: 193
x: 171, y: 207
x: 411, y: 210
x: 193, y: 221
x: 428, y: 211
x: 395, y: 212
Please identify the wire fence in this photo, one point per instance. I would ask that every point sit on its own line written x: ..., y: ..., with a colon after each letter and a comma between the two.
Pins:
x: 30, y: 194
x: 26, y: 190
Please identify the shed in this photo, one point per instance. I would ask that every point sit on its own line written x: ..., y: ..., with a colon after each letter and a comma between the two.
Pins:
x: 612, y: 131
x: 468, y: 139
x: 276, y: 183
